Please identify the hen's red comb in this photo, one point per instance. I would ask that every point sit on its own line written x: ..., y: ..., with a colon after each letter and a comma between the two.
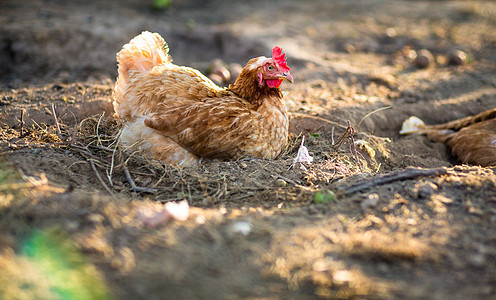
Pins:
x: 280, y: 57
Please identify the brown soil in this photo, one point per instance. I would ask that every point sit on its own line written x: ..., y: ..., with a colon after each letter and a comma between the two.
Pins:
x: 65, y: 203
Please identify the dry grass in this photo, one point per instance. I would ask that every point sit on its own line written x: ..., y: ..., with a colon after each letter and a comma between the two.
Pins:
x: 97, y: 139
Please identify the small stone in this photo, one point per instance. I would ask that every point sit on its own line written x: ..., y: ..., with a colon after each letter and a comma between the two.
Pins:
x: 96, y: 218
x: 423, y: 59
x: 477, y: 260
x: 442, y: 60
x: 411, y: 221
x: 457, y: 58
x: 321, y: 265
x: 383, y: 267
x: 342, y: 276
x: 243, y: 165
x: 370, y: 202
x: 241, y: 227
x: 443, y: 199
x: 391, y: 32
x: 71, y: 226
x: 426, y: 189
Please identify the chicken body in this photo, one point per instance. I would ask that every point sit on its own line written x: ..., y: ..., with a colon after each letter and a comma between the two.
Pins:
x: 177, y: 115
x: 471, y: 139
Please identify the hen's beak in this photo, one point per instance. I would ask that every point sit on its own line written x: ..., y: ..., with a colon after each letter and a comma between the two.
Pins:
x: 286, y: 76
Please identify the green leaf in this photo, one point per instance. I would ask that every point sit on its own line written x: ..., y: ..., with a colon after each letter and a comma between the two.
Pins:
x: 324, y: 196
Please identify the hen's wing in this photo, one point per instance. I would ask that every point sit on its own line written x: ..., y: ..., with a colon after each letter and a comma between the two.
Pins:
x: 225, y: 127
x: 164, y: 85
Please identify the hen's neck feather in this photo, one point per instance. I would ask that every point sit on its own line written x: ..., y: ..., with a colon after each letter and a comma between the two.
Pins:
x: 247, y: 87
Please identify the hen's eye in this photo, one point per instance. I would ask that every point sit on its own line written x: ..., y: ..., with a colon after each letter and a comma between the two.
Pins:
x: 270, y: 68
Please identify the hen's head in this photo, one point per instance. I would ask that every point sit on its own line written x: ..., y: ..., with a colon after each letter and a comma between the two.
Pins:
x: 262, y: 76
x: 271, y: 71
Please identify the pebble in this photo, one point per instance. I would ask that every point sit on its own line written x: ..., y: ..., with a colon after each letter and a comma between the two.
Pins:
x: 240, y: 227
x: 423, y: 59
x: 426, y: 189
x: 477, y: 260
x: 457, y: 58
x: 96, y: 218
x: 71, y: 226
x: 370, y: 202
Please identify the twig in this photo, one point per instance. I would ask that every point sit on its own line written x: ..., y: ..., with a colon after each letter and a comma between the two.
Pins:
x: 81, y: 149
x: 109, y: 173
x: 86, y: 153
x: 22, y: 122
x: 99, y: 177
x: 353, y: 149
x: 101, y: 148
x: 56, y: 121
x: 370, y: 113
x: 207, y: 199
x: 341, y: 139
x: 408, y: 173
x: 135, y: 188
x: 38, y: 125
x: 99, y: 142
x: 350, y: 134
x: 294, y: 183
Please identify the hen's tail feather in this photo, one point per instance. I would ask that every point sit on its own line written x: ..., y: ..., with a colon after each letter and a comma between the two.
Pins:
x: 141, y: 54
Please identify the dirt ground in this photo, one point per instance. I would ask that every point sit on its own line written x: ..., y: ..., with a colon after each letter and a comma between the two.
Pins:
x: 71, y: 228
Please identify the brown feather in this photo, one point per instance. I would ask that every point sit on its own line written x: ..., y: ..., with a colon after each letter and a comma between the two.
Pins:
x: 471, y: 139
x: 476, y: 144
x: 464, y: 122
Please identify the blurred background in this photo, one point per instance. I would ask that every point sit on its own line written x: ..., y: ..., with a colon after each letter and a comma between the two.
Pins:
x: 78, y: 39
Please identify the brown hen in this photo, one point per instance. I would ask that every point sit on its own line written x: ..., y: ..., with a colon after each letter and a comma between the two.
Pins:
x: 177, y: 115
x: 471, y: 139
